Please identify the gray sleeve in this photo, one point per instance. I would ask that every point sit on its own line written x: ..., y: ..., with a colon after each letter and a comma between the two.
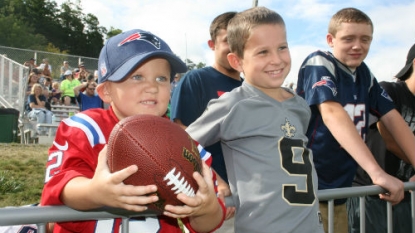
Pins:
x: 206, y: 130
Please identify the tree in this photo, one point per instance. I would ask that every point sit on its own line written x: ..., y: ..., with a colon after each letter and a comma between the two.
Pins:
x: 43, y: 23
x: 113, y: 32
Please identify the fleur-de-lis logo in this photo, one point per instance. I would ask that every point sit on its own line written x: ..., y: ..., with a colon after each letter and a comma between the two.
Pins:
x: 288, y: 129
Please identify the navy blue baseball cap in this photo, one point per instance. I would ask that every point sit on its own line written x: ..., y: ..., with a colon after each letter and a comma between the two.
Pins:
x: 124, y: 52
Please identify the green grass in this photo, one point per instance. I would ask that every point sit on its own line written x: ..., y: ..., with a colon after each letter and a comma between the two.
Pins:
x: 22, y: 172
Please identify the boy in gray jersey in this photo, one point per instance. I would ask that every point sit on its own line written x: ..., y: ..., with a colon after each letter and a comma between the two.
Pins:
x: 261, y: 127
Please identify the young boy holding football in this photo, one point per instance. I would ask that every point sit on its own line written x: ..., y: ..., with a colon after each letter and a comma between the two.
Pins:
x: 135, y: 71
x: 261, y: 126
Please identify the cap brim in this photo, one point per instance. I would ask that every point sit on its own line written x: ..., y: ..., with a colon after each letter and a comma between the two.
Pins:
x: 403, y: 71
x: 176, y: 64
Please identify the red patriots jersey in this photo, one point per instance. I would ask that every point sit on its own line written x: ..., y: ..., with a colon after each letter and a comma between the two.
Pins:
x: 74, y: 153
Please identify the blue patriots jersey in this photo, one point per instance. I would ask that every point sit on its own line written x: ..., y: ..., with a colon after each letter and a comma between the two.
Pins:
x: 323, y: 78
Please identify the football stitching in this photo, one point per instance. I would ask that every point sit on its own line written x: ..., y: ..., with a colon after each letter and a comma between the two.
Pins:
x: 180, y: 184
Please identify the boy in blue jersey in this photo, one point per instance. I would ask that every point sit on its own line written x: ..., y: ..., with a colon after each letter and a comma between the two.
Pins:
x: 261, y: 127
x: 341, y: 92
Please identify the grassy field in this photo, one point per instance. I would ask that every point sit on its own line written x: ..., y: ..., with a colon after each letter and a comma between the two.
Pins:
x: 22, y: 172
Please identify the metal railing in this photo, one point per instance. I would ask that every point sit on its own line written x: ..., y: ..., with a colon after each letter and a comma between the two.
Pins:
x: 42, y: 215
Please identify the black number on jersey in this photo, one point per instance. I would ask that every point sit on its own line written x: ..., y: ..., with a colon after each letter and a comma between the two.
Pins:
x: 296, y: 162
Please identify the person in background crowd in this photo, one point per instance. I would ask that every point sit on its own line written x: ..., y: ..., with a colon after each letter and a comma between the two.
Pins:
x: 83, y: 73
x: 64, y: 68
x: 67, y: 87
x: 390, y: 157
x: 89, y: 99
x: 31, y: 80
x: 56, y: 94
x: 37, y: 108
x: 175, y: 82
x: 45, y: 69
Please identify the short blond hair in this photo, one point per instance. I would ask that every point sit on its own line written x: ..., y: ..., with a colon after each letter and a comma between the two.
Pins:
x: 348, y: 15
x: 36, y: 85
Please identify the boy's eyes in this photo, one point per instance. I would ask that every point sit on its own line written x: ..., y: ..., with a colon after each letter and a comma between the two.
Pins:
x: 158, y: 79
x: 162, y: 79
x: 279, y: 49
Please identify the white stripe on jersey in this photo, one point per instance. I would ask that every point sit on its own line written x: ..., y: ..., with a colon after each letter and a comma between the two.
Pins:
x: 204, y: 155
x: 89, y: 126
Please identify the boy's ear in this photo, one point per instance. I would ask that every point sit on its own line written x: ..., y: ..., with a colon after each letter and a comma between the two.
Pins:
x: 235, y: 61
x: 329, y: 39
x: 211, y: 44
x: 102, y: 90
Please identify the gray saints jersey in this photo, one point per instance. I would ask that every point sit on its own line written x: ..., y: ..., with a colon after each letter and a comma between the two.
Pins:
x: 270, y: 170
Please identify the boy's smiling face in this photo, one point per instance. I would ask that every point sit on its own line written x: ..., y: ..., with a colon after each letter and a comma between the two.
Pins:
x: 351, y: 43
x: 266, y: 61
x: 146, y: 90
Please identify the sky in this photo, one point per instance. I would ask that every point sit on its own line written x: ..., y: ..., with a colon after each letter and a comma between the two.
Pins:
x: 184, y: 25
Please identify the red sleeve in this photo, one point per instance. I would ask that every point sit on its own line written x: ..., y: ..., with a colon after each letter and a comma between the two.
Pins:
x: 70, y: 156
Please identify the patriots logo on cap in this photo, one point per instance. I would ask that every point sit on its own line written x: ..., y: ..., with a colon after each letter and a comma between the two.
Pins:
x: 148, y: 37
x: 103, y: 69
x: 327, y: 82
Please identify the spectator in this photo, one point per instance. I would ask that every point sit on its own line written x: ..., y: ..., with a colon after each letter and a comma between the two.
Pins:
x: 75, y: 73
x: 64, y: 68
x: 89, y: 99
x: 37, y: 107
x: 261, y: 126
x: 131, y: 72
x: 83, y: 73
x: 391, y: 158
x: 175, y: 82
x: 47, y: 93
x: 47, y: 82
x: 341, y: 91
x: 46, y: 69
x: 32, y: 80
x: 67, y: 87
x: 56, y: 94
x: 96, y: 76
x: 30, y: 64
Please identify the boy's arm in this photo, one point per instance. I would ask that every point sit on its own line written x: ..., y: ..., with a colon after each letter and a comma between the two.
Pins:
x: 342, y: 128
x: 396, y: 133
x: 78, y: 88
x: 390, y: 143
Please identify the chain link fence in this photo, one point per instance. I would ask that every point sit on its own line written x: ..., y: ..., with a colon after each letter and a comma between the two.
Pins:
x: 55, y: 59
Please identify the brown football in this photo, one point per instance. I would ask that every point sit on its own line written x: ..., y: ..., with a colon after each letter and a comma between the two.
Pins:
x: 164, y: 153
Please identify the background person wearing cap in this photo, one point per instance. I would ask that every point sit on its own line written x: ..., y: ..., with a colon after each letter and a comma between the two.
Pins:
x: 83, y: 72
x: 135, y: 71
x: 64, y: 68
x: 390, y: 157
x: 67, y: 87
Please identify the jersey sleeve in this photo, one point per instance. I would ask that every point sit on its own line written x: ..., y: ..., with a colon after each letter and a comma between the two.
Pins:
x: 316, y: 79
x: 74, y: 153
x: 206, y: 129
x: 380, y: 102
